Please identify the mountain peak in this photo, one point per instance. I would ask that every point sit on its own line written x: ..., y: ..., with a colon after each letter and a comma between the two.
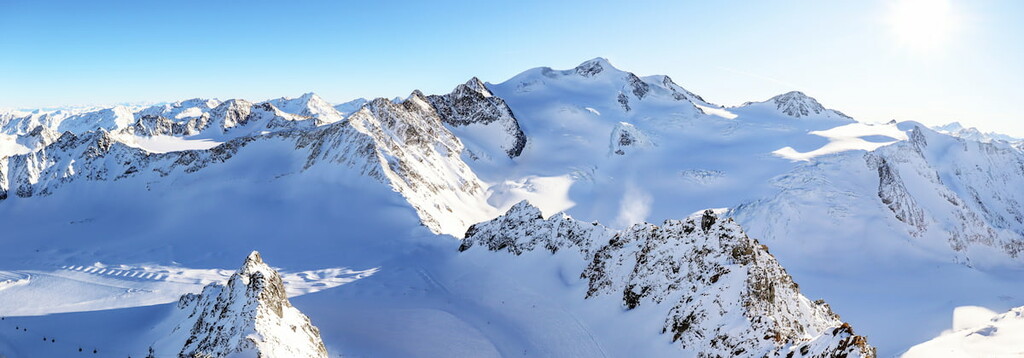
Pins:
x: 305, y: 99
x: 253, y: 261
x: 312, y: 98
x: 251, y: 313
x: 593, y: 67
x: 798, y: 104
x: 794, y: 96
x: 308, y: 104
x: 476, y: 84
x: 526, y: 209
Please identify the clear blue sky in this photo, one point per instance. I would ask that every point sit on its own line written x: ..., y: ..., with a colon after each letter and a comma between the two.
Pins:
x: 851, y: 55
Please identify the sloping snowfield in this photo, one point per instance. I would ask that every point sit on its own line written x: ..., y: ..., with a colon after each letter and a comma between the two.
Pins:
x: 99, y: 264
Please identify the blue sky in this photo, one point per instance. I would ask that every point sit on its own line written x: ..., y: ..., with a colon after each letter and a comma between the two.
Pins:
x: 850, y: 55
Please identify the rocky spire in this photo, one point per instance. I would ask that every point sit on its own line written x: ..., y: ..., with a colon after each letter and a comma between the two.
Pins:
x: 251, y: 313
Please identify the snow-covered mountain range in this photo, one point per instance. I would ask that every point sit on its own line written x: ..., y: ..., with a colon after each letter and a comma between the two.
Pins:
x: 863, y: 215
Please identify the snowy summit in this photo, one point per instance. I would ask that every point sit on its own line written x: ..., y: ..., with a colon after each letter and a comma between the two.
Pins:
x: 249, y: 314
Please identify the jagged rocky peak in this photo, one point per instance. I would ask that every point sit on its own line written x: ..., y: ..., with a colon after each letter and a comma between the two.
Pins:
x: 523, y: 228
x: 718, y: 291
x: 308, y: 105
x: 403, y: 145
x: 799, y: 105
x: 472, y: 106
x: 233, y: 112
x: 476, y: 85
x: 593, y: 67
x: 250, y: 314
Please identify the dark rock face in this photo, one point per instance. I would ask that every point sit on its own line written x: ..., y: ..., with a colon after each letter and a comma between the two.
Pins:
x: 624, y: 102
x: 797, y: 104
x: 590, y: 68
x: 895, y: 196
x: 627, y: 138
x: 473, y: 103
x: 723, y: 293
x: 638, y: 86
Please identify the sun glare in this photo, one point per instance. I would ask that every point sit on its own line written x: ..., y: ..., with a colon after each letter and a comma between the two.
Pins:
x: 922, y: 24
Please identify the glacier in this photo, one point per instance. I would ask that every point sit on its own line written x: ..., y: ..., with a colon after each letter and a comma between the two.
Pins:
x: 109, y: 215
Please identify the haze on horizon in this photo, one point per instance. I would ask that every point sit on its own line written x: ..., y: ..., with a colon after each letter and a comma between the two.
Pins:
x: 934, y: 61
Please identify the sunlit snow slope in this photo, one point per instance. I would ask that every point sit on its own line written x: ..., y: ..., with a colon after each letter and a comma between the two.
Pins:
x: 109, y: 215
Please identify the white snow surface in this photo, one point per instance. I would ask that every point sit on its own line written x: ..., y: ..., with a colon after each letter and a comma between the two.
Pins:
x: 105, y: 226
x: 846, y: 138
x: 982, y: 334
x: 166, y: 143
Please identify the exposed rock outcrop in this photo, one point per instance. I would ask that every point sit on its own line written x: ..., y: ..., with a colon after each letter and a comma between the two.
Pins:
x: 250, y: 313
x: 723, y: 293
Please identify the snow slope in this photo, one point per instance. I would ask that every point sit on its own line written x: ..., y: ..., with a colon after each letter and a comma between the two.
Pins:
x: 622, y: 138
x: 990, y: 336
x: 107, y: 224
x: 792, y: 172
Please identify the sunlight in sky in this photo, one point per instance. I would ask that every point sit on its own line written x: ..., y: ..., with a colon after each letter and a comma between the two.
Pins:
x: 922, y: 24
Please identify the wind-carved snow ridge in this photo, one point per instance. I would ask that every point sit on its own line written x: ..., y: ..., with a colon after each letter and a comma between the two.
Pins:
x: 250, y: 314
x: 722, y: 293
x: 954, y: 188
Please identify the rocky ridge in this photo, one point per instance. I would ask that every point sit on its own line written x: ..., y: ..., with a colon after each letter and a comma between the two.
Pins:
x: 473, y: 105
x: 405, y: 145
x: 975, y: 209
x: 250, y: 313
x: 723, y: 293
